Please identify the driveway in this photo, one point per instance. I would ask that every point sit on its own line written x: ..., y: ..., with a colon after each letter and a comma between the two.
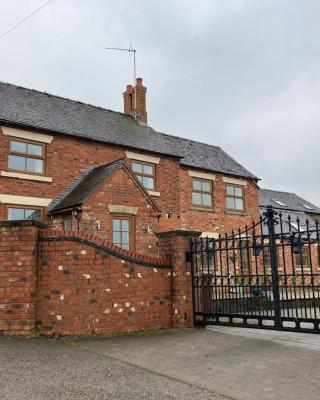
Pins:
x: 42, y: 369
x: 223, y: 363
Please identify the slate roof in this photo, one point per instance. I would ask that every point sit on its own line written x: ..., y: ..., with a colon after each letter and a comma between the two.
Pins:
x: 292, y: 201
x: 294, y: 216
x: 87, y: 184
x: 34, y: 109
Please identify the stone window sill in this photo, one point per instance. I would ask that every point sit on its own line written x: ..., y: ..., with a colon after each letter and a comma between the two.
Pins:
x: 153, y: 193
x: 28, y: 177
x: 199, y: 208
x: 235, y: 212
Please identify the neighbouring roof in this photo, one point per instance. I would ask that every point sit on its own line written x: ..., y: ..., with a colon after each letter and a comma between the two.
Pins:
x: 87, y: 184
x: 34, y: 109
x: 292, y: 221
x: 286, y: 201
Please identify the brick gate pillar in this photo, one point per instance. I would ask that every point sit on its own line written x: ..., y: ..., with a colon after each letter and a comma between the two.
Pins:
x: 18, y: 276
x: 174, y: 245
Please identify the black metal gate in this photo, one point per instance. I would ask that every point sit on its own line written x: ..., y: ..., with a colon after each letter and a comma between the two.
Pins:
x: 267, y: 276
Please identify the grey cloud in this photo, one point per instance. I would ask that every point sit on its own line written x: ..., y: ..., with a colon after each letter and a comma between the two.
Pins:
x: 242, y: 74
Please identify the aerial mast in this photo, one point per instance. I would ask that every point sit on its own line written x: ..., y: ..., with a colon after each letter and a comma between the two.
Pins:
x: 131, y: 51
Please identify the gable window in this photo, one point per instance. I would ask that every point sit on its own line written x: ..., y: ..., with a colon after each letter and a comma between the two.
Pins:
x: 145, y: 172
x: 235, y: 198
x: 202, y: 192
x: 122, y: 232
x: 26, y: 156
x: 15, y: 213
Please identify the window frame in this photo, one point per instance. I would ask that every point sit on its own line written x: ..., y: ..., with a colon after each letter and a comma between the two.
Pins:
x: 131, y: 219
x: 153, y: 175
x: 301, y: 257
x: 235, y: 197
x: 202, y: 192
x: 26, y: 155
x: 244, y: 255
x: 67, y: 218
x: 36, y: 208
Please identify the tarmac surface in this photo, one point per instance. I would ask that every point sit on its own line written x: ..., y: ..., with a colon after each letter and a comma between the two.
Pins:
x: 214, y: 363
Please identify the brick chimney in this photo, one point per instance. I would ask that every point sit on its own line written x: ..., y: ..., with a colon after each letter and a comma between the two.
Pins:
x: 135, y: 101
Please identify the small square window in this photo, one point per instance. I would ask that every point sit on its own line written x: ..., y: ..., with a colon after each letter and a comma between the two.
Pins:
x: 122, y: 233
x: 26, y: 156
x: 145, y: 174
x: 202, y: 192
x: 235, y: 198
x: 19, y: 213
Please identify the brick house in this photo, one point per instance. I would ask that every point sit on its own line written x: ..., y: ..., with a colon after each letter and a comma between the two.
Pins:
x: 298, y: 217
x: 55, y: 152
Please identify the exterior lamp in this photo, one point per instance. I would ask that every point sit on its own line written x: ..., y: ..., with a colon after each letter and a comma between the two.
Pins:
x: 257, y: 248
x: 296, y: 244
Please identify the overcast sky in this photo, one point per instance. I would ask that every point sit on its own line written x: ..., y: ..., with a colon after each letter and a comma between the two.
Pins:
x: 241, y: 74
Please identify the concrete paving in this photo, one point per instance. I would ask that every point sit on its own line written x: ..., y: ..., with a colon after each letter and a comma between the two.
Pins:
x: 41, y: 369
x: 240, y: 365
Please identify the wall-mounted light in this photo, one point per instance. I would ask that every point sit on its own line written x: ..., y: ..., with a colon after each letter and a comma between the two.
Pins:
x: 296, y: 244
x: 257, y: 248
x: 169, y: 214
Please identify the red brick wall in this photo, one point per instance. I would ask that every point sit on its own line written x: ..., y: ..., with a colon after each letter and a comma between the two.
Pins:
x: 76, y: 283
x: 18, y: 263
x: 68, y: 157
x: 120, y: 189
x: 219, y: 220
x: 84, y: 290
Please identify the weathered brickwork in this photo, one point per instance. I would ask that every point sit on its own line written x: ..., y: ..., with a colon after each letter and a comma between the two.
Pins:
x: 83, y: 290
x: 120, y: 190
x: 18, y: 264
x: 218, y: 220
x: 75, y: 283
x: 67, y: 157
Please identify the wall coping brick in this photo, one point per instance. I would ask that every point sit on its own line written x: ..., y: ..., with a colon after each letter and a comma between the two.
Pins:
x: 23, y: 222
x: 178, y: 232
x: 101, y: 244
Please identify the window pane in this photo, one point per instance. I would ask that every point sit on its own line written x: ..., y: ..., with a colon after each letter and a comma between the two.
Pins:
x: 15, y: 213
x: 148, y: 182
x: 136, y: 167
x: 67, y: 224
x: 16, y: 162
x: 196, y: 198
x: 125, y: 238
x: 230, y: 190
x: 19, y: 146
x: 125, y: 225
x: 35, y: 149
x: 147, y: 169
x: 196, y: 184
x: 116, y: 225
x: 206, y: 187
x: 206, y: 199
x: 238, y: 191
x: 230, y: 202
x: 239, y: 204
x: 34, y: 165
x: 125, y: 246
x: 32, y: 214
x: 117, y: 238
